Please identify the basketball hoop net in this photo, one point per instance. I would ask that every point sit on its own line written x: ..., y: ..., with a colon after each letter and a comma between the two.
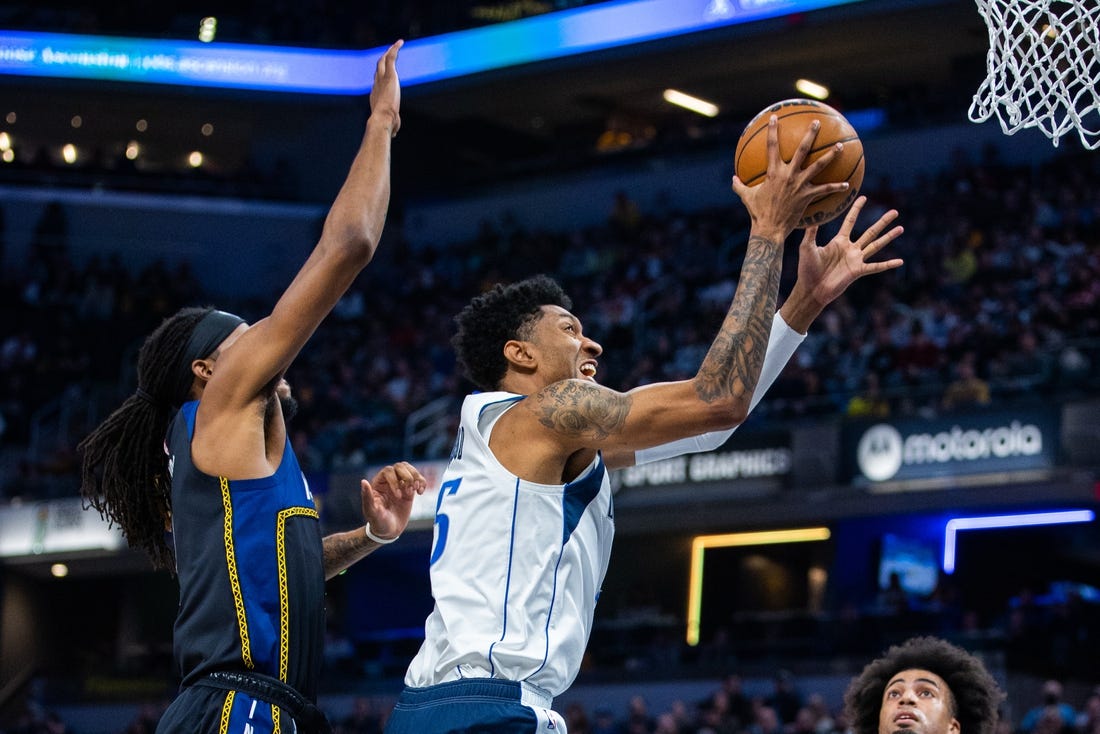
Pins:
x: 1043, y: 67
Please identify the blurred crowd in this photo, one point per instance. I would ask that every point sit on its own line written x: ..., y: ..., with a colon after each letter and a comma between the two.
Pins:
x: 782, y: 705
x: 998, y: 301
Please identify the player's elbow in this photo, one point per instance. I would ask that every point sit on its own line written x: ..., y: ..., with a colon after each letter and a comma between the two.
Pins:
x: 723, y: 415
x: 735, y: 417
x: 351, y: 241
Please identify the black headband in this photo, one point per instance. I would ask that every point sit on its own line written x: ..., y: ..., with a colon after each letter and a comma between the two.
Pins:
x: 211, y: 331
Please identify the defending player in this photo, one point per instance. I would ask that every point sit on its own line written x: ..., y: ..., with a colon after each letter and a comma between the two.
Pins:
x: 245, y: 537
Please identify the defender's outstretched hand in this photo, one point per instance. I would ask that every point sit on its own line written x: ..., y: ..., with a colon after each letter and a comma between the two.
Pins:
x: 387, y: 500
x: 385, y: 95
x: 827, y: 271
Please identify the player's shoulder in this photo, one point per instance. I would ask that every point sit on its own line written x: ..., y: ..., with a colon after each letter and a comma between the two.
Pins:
x: 478, y: 402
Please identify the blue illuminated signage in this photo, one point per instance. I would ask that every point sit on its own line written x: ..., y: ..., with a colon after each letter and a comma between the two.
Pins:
x: 1018, y: 520
x: 319, y: 71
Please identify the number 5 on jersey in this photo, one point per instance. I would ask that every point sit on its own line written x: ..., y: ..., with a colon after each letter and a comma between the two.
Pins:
x: 442, y: 522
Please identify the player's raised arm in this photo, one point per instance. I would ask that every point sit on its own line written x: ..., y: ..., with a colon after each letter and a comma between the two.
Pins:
x: 582, y: 414
x: 824, y: 273
x: 348, y: 241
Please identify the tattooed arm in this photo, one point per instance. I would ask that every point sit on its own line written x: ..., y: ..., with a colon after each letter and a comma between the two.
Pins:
x: 718, y: 397
x: 823, y: 274
x: 341, y: 550
x: 582, y: 414
x: 551, y: 434
x: 387, y: 503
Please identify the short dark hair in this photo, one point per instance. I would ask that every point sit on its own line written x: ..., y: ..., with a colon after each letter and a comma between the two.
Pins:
x: 975, y: 695
x: 503, y: 312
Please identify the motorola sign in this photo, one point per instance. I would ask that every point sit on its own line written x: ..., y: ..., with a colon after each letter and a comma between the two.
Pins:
x: 879, y: 453
x: 967, y: 445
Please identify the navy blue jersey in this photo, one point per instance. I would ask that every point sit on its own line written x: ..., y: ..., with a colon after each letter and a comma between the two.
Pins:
x: 250, y: 566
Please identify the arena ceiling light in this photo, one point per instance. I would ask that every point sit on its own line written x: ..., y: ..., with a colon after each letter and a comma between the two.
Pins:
x: 812, y: 89
x: 954, y: 525
x: 688, y: 102
x: 208, y: 29
x: 699, y: 545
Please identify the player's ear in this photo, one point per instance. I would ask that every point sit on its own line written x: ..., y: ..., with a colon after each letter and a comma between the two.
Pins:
x: 954, y: 727
x: 202, y: 368
x: 520, y: 354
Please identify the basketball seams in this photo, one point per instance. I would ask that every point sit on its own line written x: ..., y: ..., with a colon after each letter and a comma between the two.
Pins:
x: 847, y: 196
x: 847, y: 177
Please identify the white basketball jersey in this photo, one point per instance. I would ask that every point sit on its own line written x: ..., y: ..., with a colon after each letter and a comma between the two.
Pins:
x: 516, y: 567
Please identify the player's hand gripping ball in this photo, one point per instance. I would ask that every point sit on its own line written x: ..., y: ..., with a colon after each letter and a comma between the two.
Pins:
x: 750, y: 161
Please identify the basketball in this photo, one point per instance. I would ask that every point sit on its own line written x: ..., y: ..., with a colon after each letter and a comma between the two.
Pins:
x: 795, y: 115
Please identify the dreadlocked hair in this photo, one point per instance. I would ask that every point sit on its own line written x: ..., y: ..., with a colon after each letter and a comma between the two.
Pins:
x: 124, y: 469
x: 975, y: 695
x: 504, y: 312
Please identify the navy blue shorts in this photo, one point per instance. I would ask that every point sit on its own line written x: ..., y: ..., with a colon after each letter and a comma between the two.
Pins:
x: 474, y: 706
x: 201, y: 710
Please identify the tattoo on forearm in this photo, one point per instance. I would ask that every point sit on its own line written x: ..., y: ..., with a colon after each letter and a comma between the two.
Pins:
x: 340, y: 551
x: 732, y: 365
x: 576, y: 409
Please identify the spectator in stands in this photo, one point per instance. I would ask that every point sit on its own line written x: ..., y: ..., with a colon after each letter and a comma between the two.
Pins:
x: 576, y: 718
x: 805, y: 722
x: 666, y: 724
x: 919, y: 359
x: 1050, y: 721
x: 638, y: 718
x: 766, y: 721
x: 604, y: 722
x: 739, y: 704
x: 925, y: 686
x: 715, y: 715
x: 870, y: 403
x: 146, y: 720
x: 824, y: 722
x: 893, y: 598
x: 967, y: 390
x: 1025, y: 369
x: 625, y: 216
x: 1052, y: 714
x: 245, y: 537
x: 785, y: 698
x: 363, y: 718
x: 1088, y: 720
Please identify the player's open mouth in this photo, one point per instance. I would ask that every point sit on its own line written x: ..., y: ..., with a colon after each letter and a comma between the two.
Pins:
x: 588, y: 369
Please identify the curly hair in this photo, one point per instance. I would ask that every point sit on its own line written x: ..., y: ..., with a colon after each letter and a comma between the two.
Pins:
x: 124, y: 470
x: 504, y: 312
x: 975, y: 695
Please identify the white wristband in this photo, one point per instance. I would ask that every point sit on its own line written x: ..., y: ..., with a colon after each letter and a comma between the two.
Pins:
x: 376, y: 539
